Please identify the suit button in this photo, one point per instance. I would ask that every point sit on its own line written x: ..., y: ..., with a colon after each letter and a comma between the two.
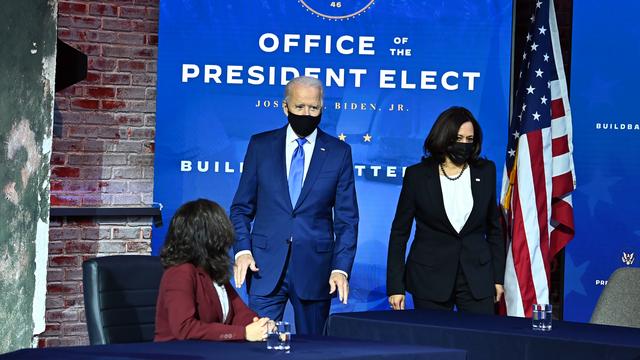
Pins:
x: 293, y: 216
x: 289, y: 241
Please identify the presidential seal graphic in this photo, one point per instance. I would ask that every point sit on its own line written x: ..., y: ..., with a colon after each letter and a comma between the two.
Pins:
x: 337, y: 10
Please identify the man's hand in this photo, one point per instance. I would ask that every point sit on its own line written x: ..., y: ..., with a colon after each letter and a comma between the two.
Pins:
x: 339, y: 281
x: 397, y: 302
x: 499, y: 292
x: 243, y: 262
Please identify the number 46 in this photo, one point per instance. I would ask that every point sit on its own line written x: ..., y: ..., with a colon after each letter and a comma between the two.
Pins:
x: 336, y: 4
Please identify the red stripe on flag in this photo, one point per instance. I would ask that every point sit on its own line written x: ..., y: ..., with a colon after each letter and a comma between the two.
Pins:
x: 562, y: 213
x: 521, y: 257
x: 560, y: 146
x: 557, y: 108
x: 562, y: 184
x: 539, y: 184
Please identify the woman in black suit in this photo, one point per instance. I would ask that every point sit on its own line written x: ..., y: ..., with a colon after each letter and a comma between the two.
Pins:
x: 457, y: 256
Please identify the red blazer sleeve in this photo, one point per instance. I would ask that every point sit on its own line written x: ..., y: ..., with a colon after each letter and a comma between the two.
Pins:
x: 242, y: 315
x: 178, y: 291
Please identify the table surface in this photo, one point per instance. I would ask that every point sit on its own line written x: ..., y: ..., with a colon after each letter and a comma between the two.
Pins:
x: 302, y: 347
x: 486, y: 336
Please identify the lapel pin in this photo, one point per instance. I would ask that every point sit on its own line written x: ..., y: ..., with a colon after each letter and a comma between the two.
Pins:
x: 321, y: 149
x: 478, y: 179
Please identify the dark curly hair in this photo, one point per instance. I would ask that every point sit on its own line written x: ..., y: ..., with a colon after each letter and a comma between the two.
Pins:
x: 200, y: 233
x: 445, y: 132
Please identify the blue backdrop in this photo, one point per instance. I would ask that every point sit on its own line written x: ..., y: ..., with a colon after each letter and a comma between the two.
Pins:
x: 389, y: 67
x: 606, y: 134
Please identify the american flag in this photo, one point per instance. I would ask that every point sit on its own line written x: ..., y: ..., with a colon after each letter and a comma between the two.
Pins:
x: 539, y: 175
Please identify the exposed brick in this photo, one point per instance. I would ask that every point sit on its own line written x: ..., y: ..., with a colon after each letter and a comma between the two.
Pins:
x: 55, y: 275
x: 62, y: 288
x: 112, y: 105
x: 139, y: 247
x: 116, y: 79
x: 96, y: 234
x: 62, y: 315
x: 107, y: 247
x: 58, y: 159
x: 131, y: 93
x: 140, y: 160
x: 95, y: 172
x: 87, y: 104
x: 127, y: 173
x: 128, y: 119
x: 101, y: 64
x: 63, y: 260
x: 126, y: 199
x: 103, y: 10
x: 130, y: 39
x: 126, y: 233
x: 65, y: 200
x: 72, y: 8
x: 131, y: 65
x: 54, y: 302
x: 117, y: 24
x: 65, y: 171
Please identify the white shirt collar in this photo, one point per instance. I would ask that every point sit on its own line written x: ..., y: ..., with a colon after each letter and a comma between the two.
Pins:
x: 291, y: 135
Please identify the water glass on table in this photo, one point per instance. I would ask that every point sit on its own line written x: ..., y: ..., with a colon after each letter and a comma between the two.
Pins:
x: 541, y: 317
x: 279, y: 335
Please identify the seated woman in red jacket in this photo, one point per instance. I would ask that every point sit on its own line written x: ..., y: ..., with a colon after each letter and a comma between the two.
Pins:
x: 195, y: 300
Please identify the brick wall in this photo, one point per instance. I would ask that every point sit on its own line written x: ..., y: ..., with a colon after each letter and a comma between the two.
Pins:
x: 102, y: 149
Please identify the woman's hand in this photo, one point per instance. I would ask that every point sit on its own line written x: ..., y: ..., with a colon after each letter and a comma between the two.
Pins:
x: 397, y: 302
x: 499, y: 292
x: 257, y: 330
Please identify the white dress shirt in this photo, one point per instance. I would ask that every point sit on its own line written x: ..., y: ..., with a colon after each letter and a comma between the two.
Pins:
x: 458, y: 199
x: 224, y: 300
x: 290, y: 146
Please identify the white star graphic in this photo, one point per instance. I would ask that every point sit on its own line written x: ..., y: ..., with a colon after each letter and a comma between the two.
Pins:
x: 524, y: 107
x: 543, y: 99
x: 520, y: 74
x: 543, y: 30
x: 536, y: 116
x: 520, y: 116
x: 539, y: 72
x: 528, y: 37
x: 342, y: 137
x: 530, y: 89
x: 549, y: 84
x: 534, y: 47
x: 533, y: 18
x: 524, y: 56
x: 516, y: 134
x: 538, y: 4
x: 512, y: 153
x: 546, y: 57
x: 367, y: 137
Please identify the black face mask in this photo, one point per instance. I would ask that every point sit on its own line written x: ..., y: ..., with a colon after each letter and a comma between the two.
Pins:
x: 459, y: 152
x: 303, y: 125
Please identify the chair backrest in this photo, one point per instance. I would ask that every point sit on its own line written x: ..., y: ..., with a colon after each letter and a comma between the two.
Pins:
x: 619, y: 303
x: 120, y: 294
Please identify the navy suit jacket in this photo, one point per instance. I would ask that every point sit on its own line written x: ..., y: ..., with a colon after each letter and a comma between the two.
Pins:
x: 321, y: 228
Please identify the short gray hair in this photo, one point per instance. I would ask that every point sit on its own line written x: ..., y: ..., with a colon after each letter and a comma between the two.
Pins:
x: 307, y: 81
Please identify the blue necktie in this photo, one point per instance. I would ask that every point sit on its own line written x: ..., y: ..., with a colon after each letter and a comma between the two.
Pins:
x: 296, y: 171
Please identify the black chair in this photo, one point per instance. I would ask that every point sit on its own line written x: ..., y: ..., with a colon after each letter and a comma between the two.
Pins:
x: 120, y: 294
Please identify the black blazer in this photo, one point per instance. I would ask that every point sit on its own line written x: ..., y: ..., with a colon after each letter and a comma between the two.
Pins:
x: 437, y: 249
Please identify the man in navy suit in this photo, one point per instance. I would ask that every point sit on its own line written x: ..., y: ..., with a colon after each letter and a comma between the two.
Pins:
x: 297, y: 187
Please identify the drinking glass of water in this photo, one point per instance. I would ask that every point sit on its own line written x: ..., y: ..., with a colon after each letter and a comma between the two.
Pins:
x: 279, y: 335
x: 541, y: 317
